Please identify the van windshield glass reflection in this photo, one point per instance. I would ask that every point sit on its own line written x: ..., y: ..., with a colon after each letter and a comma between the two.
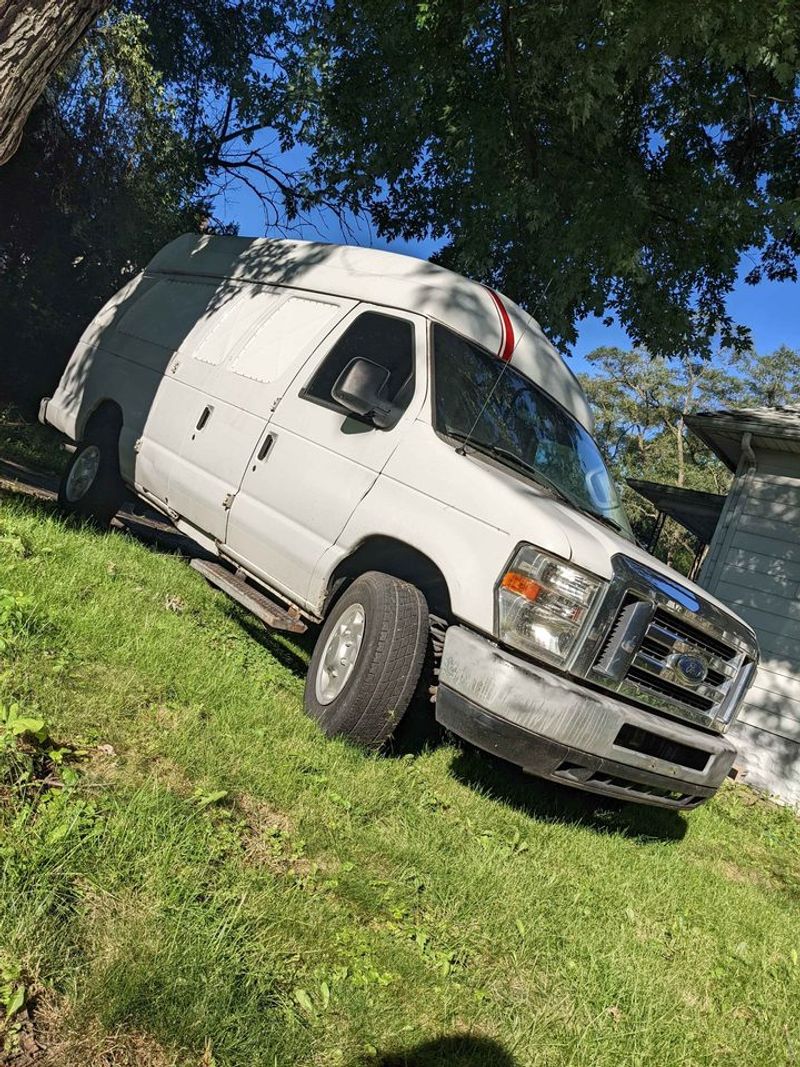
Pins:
x: 519, y: 425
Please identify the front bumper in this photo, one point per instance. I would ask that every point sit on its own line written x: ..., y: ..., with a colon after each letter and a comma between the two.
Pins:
x: 556, y: 729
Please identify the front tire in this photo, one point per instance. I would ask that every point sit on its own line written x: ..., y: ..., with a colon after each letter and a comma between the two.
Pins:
x: 368, y: 659
x: 91, y: 486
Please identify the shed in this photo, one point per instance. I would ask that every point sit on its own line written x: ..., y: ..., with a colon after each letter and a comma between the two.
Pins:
x: 697, y: 511
x: 753, y: 564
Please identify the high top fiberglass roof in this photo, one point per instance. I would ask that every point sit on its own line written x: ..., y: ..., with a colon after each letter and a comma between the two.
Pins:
x: 391, y: 280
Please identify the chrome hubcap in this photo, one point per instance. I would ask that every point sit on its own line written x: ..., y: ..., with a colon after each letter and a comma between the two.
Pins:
x: 340, y: 654
x: 83, y: 474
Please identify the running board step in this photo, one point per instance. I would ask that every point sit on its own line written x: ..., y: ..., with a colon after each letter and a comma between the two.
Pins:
x: 239, y: 589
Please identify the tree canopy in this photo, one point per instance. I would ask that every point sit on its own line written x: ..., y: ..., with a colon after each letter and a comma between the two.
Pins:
x: 641, y: 404
x: 585, y: 158
x: 158, y: 107
x: 101, y: 179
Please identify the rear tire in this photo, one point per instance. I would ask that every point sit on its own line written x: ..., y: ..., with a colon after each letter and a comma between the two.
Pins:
x: 368, y: 659
x: 91, y: 486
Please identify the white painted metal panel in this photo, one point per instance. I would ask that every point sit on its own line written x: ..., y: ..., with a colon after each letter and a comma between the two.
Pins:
x: 294, y: 503
x: 769, y: 717
x: 256, y: 336
x: 169, y: 312
x: 272, y: 348
x: 767, y: 530
x: 752, y: 556
x: 763, y: 579
x: 380, y: 278
x: 237, y: 316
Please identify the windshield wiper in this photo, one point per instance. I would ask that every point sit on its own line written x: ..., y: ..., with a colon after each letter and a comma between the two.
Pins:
x: 517, y: 461
x: 535, y: 473
x: 605, y: 519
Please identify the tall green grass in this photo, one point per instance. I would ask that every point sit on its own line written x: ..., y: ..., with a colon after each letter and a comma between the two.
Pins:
x: 227, y: 885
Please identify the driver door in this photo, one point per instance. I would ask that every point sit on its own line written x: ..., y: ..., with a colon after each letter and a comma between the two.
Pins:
x: 316, y: 461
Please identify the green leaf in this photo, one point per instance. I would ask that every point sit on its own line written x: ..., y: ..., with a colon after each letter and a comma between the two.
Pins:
x: 204, y: 800
x: 35, y: 727
x: 15, y: 1001
x: 304, y: 1000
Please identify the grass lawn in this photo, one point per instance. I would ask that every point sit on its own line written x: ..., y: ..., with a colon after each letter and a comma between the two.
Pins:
x: 210, y: 881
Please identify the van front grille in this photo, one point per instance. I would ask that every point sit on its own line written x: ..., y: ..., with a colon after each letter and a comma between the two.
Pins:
x: 660, y: 659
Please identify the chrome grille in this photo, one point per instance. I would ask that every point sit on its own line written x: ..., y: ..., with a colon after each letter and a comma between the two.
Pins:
x: 663, y: 646
x: 656, y: 666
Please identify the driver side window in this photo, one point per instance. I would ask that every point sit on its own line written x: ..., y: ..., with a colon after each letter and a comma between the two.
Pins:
x: 383, y: 339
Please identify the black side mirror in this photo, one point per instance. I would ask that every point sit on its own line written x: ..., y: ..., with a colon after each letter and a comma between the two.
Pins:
x: 361, y: 388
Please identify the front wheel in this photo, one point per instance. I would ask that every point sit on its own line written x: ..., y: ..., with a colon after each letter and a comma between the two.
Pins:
x: 91, y: 486
x: 368, y: 659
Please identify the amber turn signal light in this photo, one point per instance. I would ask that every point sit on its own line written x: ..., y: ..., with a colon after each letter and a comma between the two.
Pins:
x: 521, y: 584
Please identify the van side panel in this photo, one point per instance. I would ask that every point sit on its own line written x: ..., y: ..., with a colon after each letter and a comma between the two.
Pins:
x: 90, y: 374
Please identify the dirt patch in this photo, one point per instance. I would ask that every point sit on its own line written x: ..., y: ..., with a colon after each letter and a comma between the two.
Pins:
x: 269, y: 838
x: 50, y: 1038
x: 745, y: 875
x: 167, y: 717
x: 161, y: 771
x: 104, y: 766
x: 25, y: 1049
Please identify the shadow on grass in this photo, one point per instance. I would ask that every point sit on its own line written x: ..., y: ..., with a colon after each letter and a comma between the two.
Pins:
x: 290, y: 650
x: 550, y: 802
x: 459, y: 1050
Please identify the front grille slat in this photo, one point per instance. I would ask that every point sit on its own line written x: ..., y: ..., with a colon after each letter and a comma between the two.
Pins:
x: 653, y: 674
x: 654, y: 665
x: 661, y: 636
x: 696, y: 637
x: 650, y: 684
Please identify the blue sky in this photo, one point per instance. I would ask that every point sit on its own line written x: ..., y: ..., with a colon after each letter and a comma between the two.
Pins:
x: 771, y: 309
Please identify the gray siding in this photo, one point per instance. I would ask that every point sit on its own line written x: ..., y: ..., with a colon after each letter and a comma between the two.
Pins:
x: 753, y: 564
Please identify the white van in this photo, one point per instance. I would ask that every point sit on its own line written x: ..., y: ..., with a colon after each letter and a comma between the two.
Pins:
x: 371, y: 442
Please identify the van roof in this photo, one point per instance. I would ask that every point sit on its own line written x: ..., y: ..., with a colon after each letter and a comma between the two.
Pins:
x: 391, y: 280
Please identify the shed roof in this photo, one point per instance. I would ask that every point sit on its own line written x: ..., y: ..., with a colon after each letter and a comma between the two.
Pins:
x: 773, y: 429
x: 696, y: 511
x: 390, y: 279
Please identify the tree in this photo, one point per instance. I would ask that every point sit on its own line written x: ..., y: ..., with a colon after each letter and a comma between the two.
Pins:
x: 222, y: 67
x: 772, y: 380
x: 585, y: 158
x: 35, y: 37
x: 103, y: 178
x: 159, y: 106
x: 641, y: 404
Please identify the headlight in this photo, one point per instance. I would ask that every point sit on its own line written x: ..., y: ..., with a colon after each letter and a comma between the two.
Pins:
x: 543, y: 603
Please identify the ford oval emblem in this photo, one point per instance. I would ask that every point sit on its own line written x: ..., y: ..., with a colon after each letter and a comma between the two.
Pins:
x: 692, y: 668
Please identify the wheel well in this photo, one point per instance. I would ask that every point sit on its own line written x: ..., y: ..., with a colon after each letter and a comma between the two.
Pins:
x: 391, y: 556
x: 106, y: 416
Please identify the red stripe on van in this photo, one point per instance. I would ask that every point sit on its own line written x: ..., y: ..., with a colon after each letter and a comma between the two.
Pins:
x: 506, y: 329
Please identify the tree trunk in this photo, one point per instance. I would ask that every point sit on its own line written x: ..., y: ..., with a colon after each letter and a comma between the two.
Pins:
x: 35, y: 36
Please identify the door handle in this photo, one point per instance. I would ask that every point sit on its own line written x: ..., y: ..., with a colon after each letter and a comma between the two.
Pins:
x: 266, y: 445
x: 204, y: 417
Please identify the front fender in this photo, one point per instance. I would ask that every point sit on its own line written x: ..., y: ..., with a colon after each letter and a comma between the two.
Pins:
x: 468, y: 551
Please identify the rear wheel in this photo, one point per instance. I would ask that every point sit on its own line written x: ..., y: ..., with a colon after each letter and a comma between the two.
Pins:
x: 91, y: 486
x: 368, y: 659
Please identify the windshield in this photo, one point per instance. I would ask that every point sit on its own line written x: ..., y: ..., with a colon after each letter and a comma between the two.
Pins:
x: 510, y: 418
